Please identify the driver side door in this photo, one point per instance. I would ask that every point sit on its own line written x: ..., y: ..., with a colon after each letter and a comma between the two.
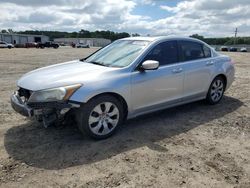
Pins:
x: 153, y: 89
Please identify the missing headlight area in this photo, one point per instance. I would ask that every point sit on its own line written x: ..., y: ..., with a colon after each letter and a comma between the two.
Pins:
x: 24, y: 93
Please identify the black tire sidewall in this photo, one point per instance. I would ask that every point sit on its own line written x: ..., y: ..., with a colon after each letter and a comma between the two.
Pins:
x: 208, y: 98
x: 87, y: 108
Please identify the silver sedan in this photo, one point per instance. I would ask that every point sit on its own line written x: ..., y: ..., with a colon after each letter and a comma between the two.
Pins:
x: 128, y: 78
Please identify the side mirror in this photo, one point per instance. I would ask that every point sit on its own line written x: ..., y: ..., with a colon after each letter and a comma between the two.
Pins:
x: 150, y: 65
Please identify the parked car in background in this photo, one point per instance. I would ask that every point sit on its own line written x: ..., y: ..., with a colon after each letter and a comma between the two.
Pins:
x: 224, y: 48
x: 19, y: 45
x: 214, y: 48
x: 62, y: 44
x: 233, y: 49
x: 128, y: 78
x: 243, y: 49
x: 6, y: 45
x: 81, y: 45
x: 48, y: 45
x: 73, y: 45
x: 31, y: 45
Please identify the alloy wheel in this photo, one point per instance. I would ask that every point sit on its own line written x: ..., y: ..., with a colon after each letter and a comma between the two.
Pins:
x: 103, y: 118
x: 217, y: 90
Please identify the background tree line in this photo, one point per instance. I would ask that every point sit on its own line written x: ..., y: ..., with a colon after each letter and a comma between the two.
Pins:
x: 116, y: 35
x: 223, y: 41
x: 81, y: 34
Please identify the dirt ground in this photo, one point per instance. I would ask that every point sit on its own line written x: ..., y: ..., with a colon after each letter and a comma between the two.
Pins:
x: 194, y: 145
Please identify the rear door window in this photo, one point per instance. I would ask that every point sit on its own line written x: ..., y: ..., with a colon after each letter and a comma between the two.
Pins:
x: 165, y: 53
x: 207, y: 51
x: 190, y: 50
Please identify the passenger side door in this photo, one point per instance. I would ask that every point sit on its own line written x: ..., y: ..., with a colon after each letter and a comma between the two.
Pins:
x: 198, y: 66
x: 152, y: 89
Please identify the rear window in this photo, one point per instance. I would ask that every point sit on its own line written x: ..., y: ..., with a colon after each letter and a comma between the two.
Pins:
x: 191, y: 50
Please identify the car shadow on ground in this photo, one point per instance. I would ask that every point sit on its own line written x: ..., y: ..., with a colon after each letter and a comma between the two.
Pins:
x: 55, y: 148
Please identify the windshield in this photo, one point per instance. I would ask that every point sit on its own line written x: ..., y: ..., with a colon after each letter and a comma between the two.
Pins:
x: 118, y: 54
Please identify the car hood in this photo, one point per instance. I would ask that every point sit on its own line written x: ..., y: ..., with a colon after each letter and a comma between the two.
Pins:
x: 63, y: 74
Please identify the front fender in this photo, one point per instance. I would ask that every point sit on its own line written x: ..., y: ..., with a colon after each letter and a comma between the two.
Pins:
x: 83, y: 95
x: 120, y: 86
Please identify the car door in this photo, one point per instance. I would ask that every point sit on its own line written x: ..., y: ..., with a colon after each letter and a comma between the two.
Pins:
x: 198, y: 66
x: 152, y: 89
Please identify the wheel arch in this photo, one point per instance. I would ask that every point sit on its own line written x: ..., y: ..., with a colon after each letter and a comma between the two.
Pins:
x: 224, y: 78
x: 118, y: 97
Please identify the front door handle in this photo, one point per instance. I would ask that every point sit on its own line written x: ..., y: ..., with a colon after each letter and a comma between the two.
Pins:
x: 177, y: 70
x: 209, y: 63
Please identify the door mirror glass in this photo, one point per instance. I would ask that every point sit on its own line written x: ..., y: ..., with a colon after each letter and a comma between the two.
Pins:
x: 150, y: 65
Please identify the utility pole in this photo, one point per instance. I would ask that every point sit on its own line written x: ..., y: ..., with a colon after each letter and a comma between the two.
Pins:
x: 235, y: 35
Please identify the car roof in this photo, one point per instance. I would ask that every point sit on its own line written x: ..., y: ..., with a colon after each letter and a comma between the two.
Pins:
x: 141, y: 38
x: 160, y: 38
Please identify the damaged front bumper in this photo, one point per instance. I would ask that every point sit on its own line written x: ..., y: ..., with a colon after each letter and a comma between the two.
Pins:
x: 48, y: 112
x: 19, y: 106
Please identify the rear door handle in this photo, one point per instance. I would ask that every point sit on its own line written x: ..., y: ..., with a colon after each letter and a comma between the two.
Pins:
x: 177, y: 70
x: 209, y: 63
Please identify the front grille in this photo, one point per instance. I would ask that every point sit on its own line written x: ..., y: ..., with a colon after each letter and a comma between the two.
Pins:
x: 24, y: 93
x: 55, y: 105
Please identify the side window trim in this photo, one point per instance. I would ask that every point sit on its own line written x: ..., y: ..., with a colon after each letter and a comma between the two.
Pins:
x: 203, y: 51
x: 181, y: 58
x: 210, y: 51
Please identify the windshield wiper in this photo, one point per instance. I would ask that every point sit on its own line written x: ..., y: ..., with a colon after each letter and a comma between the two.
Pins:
x: 98, y: 63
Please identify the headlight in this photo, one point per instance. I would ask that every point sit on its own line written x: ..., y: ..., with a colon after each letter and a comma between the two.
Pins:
x: 55, y: 94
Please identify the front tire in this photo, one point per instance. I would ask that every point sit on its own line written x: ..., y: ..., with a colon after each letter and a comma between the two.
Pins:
x: 100, y: 117
x: 216, y: 90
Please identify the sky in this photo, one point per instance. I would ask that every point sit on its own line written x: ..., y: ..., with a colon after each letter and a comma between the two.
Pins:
x: 210, y: 18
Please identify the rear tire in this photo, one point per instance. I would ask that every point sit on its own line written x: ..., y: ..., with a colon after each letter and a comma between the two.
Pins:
x: 100, y: 117
x: 216, y: 90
